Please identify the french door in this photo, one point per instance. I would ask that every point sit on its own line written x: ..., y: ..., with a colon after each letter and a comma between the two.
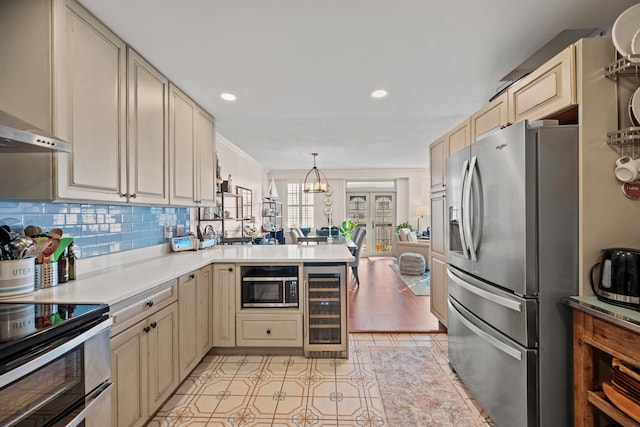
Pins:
x: 375, y: 212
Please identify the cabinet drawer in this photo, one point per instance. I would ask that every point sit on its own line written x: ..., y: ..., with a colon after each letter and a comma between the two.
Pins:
x: 269, y: 330
x: 126, y: 313
x: 548, y: 90
x: 615, y: 338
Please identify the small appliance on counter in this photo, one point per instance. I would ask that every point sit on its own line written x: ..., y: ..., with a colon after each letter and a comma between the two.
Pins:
x: 616, y: 278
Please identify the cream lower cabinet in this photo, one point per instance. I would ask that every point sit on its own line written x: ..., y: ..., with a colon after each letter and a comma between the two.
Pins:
x: 269, y: 330
x: 438, y: 263
x: 144, y: 354
x: 144, y: 367
x: 439, y: 289
x: 193, y: 307
x: 223, y: 305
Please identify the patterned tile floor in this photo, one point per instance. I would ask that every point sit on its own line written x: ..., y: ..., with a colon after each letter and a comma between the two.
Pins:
x: 295, y: 391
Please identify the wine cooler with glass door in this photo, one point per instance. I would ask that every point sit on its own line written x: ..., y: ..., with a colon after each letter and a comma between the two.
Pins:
x: 326, y: 313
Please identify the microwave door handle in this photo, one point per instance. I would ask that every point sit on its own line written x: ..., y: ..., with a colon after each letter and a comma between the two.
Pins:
x: 463, y: 241
x: 466, y: 213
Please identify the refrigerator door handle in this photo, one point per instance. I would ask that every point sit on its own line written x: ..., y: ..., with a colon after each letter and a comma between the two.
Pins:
x: 509, y: 351
x: 466, y: 212
x: 505, y: 302
x: 463, y: 241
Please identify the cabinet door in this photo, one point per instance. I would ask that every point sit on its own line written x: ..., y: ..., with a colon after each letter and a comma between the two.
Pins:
x: 205, y: 139
x: 549, y: 89
x: 163, y: 355
x: 182, y: 146
x: 147, y: 132
x: 224, y: 305
x: 129, y: 403
x: 89, y: 106
x: 188, y: 317
x: 203, y: 308
x: 459, y: 137
x: 494, y: 115
x: 439, y: 289
x: 437, y: 155
x: 438, y: 217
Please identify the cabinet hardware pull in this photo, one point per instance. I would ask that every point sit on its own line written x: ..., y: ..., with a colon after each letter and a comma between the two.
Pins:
x: 153, y: 325
x: 268, y: 331
x: 124, y: 194
x: 146, y: 329
x: 149, y: 303
x: 134, y: 195
x: 230, y: 268
x: 193, y: 276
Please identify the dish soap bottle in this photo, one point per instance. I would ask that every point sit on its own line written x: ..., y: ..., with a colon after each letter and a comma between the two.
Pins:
x: 71, y: 261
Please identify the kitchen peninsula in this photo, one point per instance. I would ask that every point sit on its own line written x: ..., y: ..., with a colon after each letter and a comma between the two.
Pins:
x: 170, y: 310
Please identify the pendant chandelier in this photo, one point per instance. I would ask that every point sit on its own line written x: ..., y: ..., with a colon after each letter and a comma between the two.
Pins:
x: 313, y: 181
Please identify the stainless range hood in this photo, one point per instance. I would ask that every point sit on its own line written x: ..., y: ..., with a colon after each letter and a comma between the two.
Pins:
x: 17, y: 136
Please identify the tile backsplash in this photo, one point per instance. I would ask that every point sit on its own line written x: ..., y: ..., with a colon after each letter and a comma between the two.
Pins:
x: 99, y: 229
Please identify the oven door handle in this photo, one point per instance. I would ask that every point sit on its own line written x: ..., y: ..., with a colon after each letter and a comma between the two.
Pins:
x: 48, y: 357
x: 93, y: 400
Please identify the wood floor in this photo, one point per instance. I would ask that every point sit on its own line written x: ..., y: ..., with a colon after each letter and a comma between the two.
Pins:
x: 383, y: 303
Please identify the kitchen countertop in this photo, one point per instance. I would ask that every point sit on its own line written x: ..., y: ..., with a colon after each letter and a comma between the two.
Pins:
x: 620, y: 316
x: 115, y: 284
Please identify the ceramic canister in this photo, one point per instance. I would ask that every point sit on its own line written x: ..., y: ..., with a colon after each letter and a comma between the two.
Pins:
x: 16, y: 277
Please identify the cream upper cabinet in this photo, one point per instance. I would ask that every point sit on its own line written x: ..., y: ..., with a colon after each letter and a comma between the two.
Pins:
x: 89, y: 110
x: 75, y: 79
x: 437, y: 156
x: 205, y: 140
x: 182, y: 145
x: 459, y: 137
x: 494, y: 115
x: 147, y: 132
x: 548, y: 90
x: 78, y: 91
x: 224, y: 305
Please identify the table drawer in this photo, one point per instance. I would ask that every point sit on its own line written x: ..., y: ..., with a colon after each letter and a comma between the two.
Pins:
x: 130, y: 311
x: 615, y: 338
x: 269, y: 330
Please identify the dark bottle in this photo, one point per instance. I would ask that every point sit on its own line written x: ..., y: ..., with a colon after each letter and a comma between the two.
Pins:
x: 71, y: 259
x: 63, y: 269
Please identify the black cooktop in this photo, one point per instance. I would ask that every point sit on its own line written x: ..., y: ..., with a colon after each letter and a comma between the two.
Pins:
x: 26, y: 327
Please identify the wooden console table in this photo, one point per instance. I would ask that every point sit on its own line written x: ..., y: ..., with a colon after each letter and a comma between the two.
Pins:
x: 600, y: 332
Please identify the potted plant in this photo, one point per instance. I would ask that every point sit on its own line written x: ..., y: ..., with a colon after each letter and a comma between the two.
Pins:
x: 347, y: 226
x: 403, y: 225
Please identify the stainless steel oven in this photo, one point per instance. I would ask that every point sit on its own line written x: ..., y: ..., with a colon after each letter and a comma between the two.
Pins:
x: 270, y: 287
x: 54, y: 365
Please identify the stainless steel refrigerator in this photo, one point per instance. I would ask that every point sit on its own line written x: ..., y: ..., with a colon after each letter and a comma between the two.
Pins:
x: 512, y: 240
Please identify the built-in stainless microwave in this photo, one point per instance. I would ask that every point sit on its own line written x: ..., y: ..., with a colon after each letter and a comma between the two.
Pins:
x: 270, y: 287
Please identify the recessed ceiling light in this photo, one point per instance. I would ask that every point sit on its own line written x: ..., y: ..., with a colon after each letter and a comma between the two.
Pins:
x: 380, y: 93
x: 228, y: 96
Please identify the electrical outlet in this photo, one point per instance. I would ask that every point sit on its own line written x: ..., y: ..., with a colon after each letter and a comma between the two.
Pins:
x: 168, y: 234
x: 179, y: 230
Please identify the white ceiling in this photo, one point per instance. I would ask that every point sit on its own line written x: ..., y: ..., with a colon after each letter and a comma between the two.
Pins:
x: 303, y: 70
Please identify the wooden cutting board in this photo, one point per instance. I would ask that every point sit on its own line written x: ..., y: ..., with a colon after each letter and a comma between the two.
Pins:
x: 626, y: 405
